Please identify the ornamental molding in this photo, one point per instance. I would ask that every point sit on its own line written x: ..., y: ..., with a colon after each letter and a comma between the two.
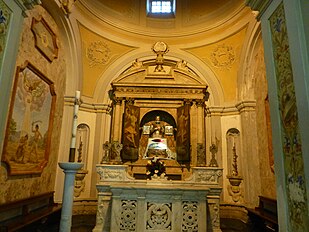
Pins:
x: 223, y: 56
x: 240, y: 107
x: 88, y: 107
x: 98, y: 53
x: 170, y: 92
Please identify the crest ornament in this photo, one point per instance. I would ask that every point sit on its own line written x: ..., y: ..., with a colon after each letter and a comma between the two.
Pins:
x: 223, y: 56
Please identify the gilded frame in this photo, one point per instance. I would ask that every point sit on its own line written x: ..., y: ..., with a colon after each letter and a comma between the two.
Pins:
x: 29, y: 126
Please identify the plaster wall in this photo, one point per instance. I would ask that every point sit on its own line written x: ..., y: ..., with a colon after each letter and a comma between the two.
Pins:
x: 23, y: 186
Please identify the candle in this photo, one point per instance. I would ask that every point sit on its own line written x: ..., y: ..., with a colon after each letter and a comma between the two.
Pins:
x: 74, y: 127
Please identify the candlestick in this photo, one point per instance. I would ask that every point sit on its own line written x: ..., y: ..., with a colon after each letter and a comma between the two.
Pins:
x: 74, y: 127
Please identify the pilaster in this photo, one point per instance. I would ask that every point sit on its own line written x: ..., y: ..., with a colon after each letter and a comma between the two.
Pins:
x: 285, y: 38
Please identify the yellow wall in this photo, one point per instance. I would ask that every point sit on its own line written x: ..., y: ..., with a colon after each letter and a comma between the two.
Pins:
x: 223, y: 57
x: 98, y: 53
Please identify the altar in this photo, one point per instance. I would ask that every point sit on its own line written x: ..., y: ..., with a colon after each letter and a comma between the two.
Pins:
x: 153, y: 176
x: 127, y: 204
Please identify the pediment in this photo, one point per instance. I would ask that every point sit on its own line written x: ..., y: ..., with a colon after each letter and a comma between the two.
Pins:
x: 174, y: 74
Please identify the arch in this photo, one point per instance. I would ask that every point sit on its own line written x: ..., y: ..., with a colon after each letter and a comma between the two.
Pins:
x: 251, y: 60
x: 197, y: 66
x: 70, y: 42
x: 164, y: 116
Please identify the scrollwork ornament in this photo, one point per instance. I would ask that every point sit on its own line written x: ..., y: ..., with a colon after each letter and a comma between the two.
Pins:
x: 98, y: 52
x: 223, y: 56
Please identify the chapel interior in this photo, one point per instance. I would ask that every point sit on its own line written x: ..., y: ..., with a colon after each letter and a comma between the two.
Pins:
x: 144, y: 115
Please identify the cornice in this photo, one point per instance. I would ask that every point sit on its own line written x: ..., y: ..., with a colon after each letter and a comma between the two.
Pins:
x: 89, y: 107
x: 240, y: 107
x: 258, y: 5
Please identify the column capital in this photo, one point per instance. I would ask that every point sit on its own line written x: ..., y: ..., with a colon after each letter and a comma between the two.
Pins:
x: 188, y: 101
x: 117, y: 100
x: 130, y: 101
x: 200, y: 102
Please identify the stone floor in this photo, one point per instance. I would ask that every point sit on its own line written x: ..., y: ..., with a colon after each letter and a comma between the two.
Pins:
x: 85, y: 223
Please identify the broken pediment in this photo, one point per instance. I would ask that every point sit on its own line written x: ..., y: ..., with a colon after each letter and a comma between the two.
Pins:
x: 171, y: 73
x: 159, y: 78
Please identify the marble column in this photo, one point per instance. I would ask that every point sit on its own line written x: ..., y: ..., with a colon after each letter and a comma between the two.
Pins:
x: 117, y: 119
x: 201, y: 156
x: 200, y: 120
x: 69, y: 169
x: 193, y: 133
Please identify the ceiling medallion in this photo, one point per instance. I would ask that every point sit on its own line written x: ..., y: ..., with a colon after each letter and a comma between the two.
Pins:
x: 98, y: 53
x: 223, y: 56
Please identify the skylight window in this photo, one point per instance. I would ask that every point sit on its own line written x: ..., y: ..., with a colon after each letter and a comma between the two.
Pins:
x: 163, y: 7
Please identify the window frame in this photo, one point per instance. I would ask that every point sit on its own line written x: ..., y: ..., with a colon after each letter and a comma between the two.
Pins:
x: 161, y: 14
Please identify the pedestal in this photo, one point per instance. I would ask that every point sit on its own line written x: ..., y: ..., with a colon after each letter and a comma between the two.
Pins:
x: 69, y: 169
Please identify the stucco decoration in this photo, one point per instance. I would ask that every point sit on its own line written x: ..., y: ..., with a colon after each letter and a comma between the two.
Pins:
x: 291, y: 147
x: 5, y: 14
x: 223, y: 56
x: 98, y: 52
x: 67, y: 5
x: 45, y: 39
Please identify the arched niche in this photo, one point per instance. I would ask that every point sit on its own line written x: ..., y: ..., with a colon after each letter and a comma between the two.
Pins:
x: 82, y: 141
x: 164, y: 116
x: 233, y: 150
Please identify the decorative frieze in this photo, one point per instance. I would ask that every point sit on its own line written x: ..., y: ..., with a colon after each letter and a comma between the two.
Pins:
x: 113, y: 172
x: 206, y: 175
x: 161, y: 90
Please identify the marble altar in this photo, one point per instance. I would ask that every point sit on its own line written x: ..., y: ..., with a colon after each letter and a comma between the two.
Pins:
x: 127, y: 204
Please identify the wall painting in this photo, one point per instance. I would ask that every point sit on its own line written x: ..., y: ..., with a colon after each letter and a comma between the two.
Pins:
x: 292, y: 147
x: 28, y: 133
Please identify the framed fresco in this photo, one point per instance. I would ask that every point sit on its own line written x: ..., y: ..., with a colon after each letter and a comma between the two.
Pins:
x: 28, y: 132
x: 45, y: 39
